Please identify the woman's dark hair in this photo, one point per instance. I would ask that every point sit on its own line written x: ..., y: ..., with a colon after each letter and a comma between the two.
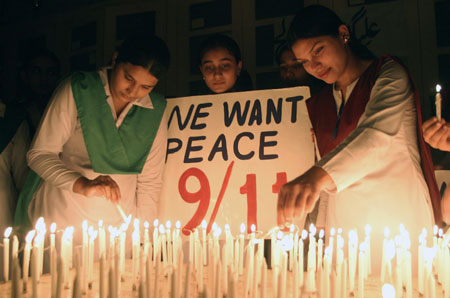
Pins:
x: 282, y: 47
x: 150, y: 52
x: 219, y: 41
x: 318, y: 20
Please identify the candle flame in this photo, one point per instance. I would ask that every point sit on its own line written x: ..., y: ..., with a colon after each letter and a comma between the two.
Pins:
x: 53, y: 228
x: 253, y: 228
x: 30, y: 236
x: 84, y: 224
x: 429, y: 254
x: 168, y: 224
x: 388, y: 291
x: 214, y: 226
x: 242, y: 228
x: 386, y: 232
x: 328, y: 251
x: 286, y: 243
x: 178, y: 224
x: 438, y: 88
x: 146, y: 224
x: 321, y: 233
x: 227, y: 227
x: 217, y: 232
x: 304, y: 234
x: 368, y: 229
x: 280, y: 235
x: 8, y: 232
x: 340, y: 242
x: 40, y: 225
x: 333, y: 231
x: 204, y: 224
x: 100, y: 223
x: 435, y: 230
x: 339, y: 230
x: 161, y: 229
x: 312, y: 230
x: 440, y: 233
x: 352, y: 237
x: 155, y: 223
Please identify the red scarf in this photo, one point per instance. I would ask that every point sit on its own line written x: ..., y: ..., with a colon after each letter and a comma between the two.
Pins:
x: 322, y: 112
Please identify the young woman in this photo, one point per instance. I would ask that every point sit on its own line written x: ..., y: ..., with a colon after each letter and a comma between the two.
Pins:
x: 221, y: 65
x: 366, y: 128
x: 101, y: 142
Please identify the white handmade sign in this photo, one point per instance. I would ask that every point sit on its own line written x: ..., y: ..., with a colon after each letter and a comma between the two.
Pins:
x: 228, y: 154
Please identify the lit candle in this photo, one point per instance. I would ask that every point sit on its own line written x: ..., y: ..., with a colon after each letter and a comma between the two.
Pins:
x: 388, y: 291
x: 384, y: 255
x: 155, y: 238
x: 169, y: 243
x: 92, y: 236
x: 15, y: 247
x: 163, y: 244
x: 26, y: 257
x: 83, y: 278
x: 368, y: 230
x: 438, y: 101
x: 146, y: 238
x: 312, y: 249
x: 204, y: 242
x: 339, y: 263
x: 320, y: 249
x: 241, y: 249
x: 34, y: 271
x: 352, y: 254
x: 135, y: 254
x: 6, y: 253
x: 101, y: 239
x: 361, y: 269
x: 301, y: 258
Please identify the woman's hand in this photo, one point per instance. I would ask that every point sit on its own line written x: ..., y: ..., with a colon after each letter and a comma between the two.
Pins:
x: 298, y: 197
x: 437, y: 133
x: 102, y: 186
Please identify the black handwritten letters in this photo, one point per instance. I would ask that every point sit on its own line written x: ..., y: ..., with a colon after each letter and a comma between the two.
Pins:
x: 241, y: 114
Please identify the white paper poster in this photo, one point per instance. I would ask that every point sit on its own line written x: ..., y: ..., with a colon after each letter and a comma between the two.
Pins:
x: 228, y: 154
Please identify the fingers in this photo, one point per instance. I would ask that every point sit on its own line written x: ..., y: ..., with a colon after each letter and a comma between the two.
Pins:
x: 104, y: 186
x: 430, y: 122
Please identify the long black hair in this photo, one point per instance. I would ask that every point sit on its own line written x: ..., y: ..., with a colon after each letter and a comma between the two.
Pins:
x: 150, y: 52
x: 318, y: 20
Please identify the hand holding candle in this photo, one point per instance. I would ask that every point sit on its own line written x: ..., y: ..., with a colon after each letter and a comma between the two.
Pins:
x: 438, y: 102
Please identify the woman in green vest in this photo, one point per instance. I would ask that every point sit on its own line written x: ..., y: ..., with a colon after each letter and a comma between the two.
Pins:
x: 101, y: 143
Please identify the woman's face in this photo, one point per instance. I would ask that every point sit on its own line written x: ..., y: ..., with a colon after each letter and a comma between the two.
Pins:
x: 292, y: 71
x: 220, y: 70
x: 129, y: 82
x: 324, y: 57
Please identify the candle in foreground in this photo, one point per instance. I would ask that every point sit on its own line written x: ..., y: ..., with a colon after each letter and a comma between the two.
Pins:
x: 438, y: 101
x: 6, y: 253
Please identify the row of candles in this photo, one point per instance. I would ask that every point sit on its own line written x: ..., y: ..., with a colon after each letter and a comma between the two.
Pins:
x: 223, y: 265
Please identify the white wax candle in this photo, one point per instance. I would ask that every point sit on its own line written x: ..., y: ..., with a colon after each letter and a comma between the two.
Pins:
x: 60, y: 279
x: 135, y: 258
x: 187, y: 280
x: 170, y: 255
x: 6, y: 253
x: 146, y: 238
x: 204, y: 243
x: 15, y: 247
x: 101, y: 239
x: 34, y: 271
x: 320, y: 249
x: 26, y: 257
x: 361, y: 269
x: 102, y: 283
x: 155, y: 238
x: 352, y: 254
x: 53, y: 271
x: 241, y: 249
x: 438, y: 101
x: 368, y: 253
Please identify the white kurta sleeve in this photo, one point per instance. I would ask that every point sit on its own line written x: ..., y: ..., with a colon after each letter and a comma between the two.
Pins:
x: 150, y: 181
x: 55, y: 129
x: 364, y: 150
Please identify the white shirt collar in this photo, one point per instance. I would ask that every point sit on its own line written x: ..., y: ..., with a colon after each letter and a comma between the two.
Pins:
x: 144, y: 102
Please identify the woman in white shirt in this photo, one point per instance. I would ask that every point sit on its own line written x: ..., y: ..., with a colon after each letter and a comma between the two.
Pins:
x: 365, y: 124
x: 101, y: 142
